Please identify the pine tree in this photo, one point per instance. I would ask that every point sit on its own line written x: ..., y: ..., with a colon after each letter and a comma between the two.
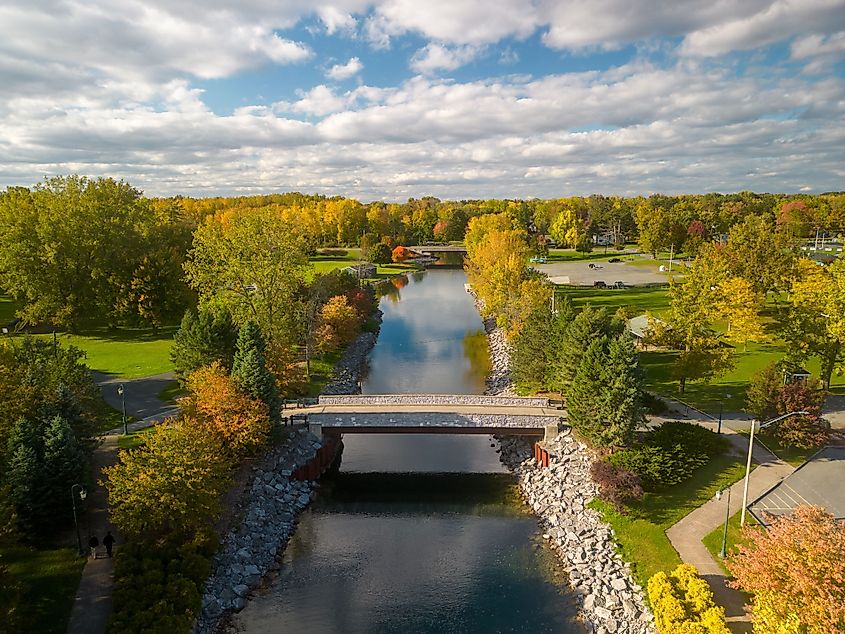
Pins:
x: 588, y: 326
x: 619, y: 402
x: 586, y: 388
x: 529, y: 348
x: 203, y: 338
x: 63, y: 464
x: 250, y: 372
x: 24, y: 474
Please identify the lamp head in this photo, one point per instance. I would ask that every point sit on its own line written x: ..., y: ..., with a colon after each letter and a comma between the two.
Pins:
x: 83, y: 494
x: 719, y: 494
x: 120, y: 389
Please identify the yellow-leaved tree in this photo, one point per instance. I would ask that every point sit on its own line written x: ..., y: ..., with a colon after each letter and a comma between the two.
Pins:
x: 740, y: 304
x: 170, y: 484
x: 683, y: 603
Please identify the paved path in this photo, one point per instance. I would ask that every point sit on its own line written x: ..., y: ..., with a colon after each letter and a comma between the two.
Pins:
x: 687, y: 534
x: 429, y: 409
x: 93, y: 603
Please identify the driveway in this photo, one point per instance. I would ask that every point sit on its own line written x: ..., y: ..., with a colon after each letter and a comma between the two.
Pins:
x: 580, y: 273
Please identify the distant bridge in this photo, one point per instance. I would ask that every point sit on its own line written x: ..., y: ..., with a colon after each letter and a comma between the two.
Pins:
x: 432, y: 413
x: 429, y: 249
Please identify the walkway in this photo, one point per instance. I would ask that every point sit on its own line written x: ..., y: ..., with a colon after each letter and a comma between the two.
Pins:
x: 687, y: 534
x: 93, y: 603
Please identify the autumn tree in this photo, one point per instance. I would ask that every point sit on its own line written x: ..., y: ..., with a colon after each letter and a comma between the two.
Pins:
x: 339, y: 324
x: 687, y: 327
x: 813, y: 323
x: 683, y: 602
x: 741, y: 306
x: 219, y: 406
x: 568, y: 229
x: 761, y: 397
x: 172, y: 483
x: 795, y: 572
x: 758, y: 253
x: 253, y: 262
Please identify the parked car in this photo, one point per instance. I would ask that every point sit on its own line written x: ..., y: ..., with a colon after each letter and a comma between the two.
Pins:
x: 594, y: 266
x: 599, y: 284
x: 615, y: 260
x: 619, y: 285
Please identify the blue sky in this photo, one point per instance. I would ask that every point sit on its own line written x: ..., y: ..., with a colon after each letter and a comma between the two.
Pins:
x: 453, y: 98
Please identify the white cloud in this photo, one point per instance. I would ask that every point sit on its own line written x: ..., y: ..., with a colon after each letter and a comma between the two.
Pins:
x: 821, y: 51
x: 434, y: 57
x: 339, y: 72
x: 336, y: 20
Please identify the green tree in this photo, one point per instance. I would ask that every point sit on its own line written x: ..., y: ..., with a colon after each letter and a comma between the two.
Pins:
x: 528, y: 350
x: 585, y: 388
x: 590, y: 324
x: 380, y: 254
x: 202, y: 338
x: 620, y: 401
x: 758, y: 253
x: 253, y: 262
x: 249, y: 369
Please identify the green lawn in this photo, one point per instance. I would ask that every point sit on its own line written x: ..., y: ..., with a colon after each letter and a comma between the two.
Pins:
x: 134, y: 439
x: 571, y: 255
x: 642, y: 299
x: 641, y: 534
x: 50, y: 579
x: 321, y: 372
x: 127, y: 352
x: 7, y: 309
x: 713, y: 539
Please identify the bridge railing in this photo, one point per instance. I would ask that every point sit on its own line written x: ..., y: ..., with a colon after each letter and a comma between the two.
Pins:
x: 479, y: 400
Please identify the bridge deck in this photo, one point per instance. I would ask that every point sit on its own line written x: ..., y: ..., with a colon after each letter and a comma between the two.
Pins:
x: 432, y: 409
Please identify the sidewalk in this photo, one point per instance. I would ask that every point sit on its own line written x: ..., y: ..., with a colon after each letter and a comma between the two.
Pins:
x: 93, y: 604
x: 687, y: 534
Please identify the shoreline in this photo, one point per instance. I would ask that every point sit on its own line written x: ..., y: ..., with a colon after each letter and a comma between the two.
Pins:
x: 610, y: 601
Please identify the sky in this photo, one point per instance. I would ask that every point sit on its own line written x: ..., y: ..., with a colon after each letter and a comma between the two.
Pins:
x: 457, y: 99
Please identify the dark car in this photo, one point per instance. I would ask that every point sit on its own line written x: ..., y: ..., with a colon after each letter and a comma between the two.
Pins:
x: 599, y: 284
x: 619, y: 285
x: 614, y: 260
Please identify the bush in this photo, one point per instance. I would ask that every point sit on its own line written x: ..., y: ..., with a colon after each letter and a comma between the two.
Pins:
x: 670, y: 454
x: 380, y: 254
x: 683, y: 602
x: 334, y: 253
x: 654, y: 405
x: 158, y: 584
x: 616, y: 485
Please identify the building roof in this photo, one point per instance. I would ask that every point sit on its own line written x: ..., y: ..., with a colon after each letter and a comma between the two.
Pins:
x: 639, y: 326
x: 818, y: 482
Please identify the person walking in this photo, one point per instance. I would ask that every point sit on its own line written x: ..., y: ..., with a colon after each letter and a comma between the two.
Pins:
x: 92, y: 544
x: 108, y: 542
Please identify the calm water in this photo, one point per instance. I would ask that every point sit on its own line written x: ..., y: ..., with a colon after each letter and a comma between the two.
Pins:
x: 418, y: 533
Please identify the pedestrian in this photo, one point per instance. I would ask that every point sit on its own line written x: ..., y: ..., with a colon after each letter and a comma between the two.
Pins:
x: 108, y: 542
x: 92, y: 544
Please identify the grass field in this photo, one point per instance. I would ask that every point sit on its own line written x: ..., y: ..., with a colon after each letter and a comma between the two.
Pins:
x: 713, y: 539
x: 641, y: 299
x: 134, y: 439
x: 641, y: 534
x: 50, y: 579
x: 127, y: 352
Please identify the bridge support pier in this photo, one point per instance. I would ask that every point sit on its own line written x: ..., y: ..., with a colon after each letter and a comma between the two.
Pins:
x: 316, y: 429
x: 551, y: 432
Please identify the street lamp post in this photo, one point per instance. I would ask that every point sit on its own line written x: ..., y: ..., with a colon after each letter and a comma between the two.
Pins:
x: 724, y: 552
x: 122, y: 393
x: 750, y: 448
x: 82, y: 496
x: 721, y: 408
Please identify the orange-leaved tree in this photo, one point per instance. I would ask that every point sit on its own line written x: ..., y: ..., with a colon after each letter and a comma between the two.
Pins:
x: 400, y: 254
x: 217, y: 404
x: 796, y: 571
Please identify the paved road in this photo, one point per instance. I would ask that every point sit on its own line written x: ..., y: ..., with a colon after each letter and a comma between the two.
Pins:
x: 142, y: 399
x: 429, y: 409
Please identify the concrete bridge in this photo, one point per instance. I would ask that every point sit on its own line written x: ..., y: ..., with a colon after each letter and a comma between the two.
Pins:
x: 427, y: 250
x: 432, y: 413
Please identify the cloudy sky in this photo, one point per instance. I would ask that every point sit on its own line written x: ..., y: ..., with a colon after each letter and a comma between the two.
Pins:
x: 452, y: 98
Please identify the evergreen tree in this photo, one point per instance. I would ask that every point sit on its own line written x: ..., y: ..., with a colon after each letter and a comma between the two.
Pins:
x: 63, y: 464
x: 203, y: 338
x: 588, y: 326
x: 250, y: 372
x: 619, y: 403
x: 23, y: 474
x: 586, y: 388
x: 529, y: 349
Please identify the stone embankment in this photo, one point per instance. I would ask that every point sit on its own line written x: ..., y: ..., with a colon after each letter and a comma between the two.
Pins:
x: 346, y: 378
x: 269, y: 510
x: 498, y: 382
x: 612, y: 602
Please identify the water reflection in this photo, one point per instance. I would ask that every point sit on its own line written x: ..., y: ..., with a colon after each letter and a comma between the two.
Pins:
x: 429, y: 341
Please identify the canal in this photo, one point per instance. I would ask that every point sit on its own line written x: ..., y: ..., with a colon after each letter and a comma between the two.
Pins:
x: 418, y: 533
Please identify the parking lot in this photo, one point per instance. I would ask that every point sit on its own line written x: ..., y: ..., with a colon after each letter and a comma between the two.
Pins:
x: 581, y: 273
